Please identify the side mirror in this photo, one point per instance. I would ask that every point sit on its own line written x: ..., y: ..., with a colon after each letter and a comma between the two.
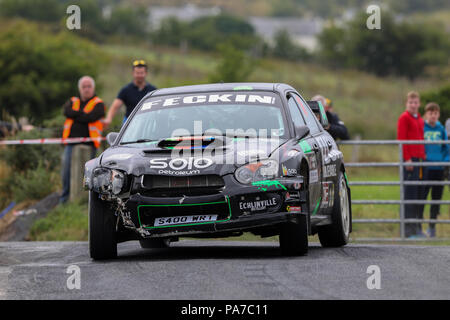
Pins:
x: 111, y: 137
x: 301, y: 132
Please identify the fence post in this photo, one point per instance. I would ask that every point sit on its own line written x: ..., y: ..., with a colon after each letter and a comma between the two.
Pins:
x: 355, y: 152
x: 80, y: 155
x: 402, y: 192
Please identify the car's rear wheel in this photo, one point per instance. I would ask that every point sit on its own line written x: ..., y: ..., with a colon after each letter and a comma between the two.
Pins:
x: 154, y: 243
x: 294, y: 237
x: 337, y: 233
x: 102, y: 229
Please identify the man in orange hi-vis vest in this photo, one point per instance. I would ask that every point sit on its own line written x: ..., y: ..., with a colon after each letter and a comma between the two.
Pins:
x: 83, y: 119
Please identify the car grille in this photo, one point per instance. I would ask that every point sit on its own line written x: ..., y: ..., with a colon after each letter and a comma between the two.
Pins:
x: 156, y: 185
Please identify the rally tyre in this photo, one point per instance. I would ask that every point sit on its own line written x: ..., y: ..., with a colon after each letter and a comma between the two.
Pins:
x: 294, y: 237
x: 102, y: 229
x: 154, y: 243
x: 337, y: 233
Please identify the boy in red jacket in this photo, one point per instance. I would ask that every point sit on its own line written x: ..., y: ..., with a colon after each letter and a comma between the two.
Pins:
x: 410, y: 126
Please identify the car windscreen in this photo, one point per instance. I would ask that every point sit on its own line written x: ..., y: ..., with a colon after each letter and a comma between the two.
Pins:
x: 257, y: 114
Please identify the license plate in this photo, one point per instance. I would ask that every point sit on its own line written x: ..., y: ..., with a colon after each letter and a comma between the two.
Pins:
x: 165, y: 221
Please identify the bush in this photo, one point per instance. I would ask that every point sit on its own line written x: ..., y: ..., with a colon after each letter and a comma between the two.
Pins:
x: 33, y: 184
x: 28, y: 157
x: 442, y: 98
x: 39, y: 70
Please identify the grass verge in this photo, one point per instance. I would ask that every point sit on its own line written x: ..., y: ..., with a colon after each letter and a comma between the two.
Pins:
x: 68, y: 222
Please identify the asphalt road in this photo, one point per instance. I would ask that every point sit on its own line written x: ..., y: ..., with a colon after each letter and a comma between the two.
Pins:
x: 223, y: 270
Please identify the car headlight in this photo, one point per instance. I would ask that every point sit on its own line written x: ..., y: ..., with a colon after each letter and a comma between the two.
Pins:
x: 257, y: 171
x: 106, y: 180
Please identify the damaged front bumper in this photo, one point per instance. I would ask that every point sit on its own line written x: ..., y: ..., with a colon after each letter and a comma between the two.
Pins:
x: 236, y: 208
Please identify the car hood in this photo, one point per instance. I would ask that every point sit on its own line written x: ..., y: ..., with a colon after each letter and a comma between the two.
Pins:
x: 221, y: 157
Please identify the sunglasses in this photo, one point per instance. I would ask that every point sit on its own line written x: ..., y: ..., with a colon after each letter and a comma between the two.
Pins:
x: 139, y: 63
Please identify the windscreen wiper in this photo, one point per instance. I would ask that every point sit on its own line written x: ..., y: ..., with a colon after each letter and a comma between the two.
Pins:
x: 239, y: 135
x: 138, y: 141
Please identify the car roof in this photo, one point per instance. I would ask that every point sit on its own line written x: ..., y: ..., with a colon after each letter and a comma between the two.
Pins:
x: 236, y: 86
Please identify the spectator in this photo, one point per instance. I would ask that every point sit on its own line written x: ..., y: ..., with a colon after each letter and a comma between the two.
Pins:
x: 410, y: 126
x: 132, y: 93
x: 434, y: 130
x: 336, y: 127
x: 83, y: 120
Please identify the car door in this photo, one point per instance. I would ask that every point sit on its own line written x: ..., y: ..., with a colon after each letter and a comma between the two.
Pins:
x: 311, y: 149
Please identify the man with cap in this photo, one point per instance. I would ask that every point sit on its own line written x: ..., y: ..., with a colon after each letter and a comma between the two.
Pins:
x: 336, y: 127
x: 132, y: 93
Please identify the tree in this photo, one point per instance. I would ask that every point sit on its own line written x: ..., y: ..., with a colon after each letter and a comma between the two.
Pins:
x: 128, y: 21
x: 39, y: 10
x: 440, y: 96
x: 235, y: 65
x: 399, y: 48
x: 285, y: 48
x: 39, y: 70
x: 205, y: 32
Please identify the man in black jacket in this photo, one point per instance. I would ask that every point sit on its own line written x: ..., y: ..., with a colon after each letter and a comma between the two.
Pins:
x: 336, y: 127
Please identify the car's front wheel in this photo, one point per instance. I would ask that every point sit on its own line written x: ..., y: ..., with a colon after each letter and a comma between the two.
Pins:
x: 337, y: 233
x: 102, y: 229
x: 294, y: 237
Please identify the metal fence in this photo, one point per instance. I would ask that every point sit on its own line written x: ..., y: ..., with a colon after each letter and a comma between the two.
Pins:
x: 402, y: 202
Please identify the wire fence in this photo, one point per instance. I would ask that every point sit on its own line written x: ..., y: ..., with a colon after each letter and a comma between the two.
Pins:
x: 402, y: 221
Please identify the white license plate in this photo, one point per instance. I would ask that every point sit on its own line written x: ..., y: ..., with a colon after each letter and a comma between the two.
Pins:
x: 164, y: 221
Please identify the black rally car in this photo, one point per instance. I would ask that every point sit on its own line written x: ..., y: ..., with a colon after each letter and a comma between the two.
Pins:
x: 215, y: 161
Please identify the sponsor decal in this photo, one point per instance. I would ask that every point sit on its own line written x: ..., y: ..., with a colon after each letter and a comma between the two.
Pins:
x: 295, y: 196
x: 313, y: 176
x: 294, y: 209
x: 180, y: 164
x: 179, y: 173
x: 331, y: 197
x: 292, y: 153
x: 313, y: 161
x: 305, y: 146
x: 329, y: 171
x: 258, y: 205
x: 251, y: 153
x: 328, y: 195
x: 209, y: 98
x: 287, y: 171
x: 265, y: 184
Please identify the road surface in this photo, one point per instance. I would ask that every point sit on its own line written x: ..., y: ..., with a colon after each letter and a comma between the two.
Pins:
x: 192, y: 269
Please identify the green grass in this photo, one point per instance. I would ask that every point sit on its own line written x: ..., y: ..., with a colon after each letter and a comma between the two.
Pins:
x: 67, y: 222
